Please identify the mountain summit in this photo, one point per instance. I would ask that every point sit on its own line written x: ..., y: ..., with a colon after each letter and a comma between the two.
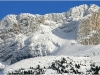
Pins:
x: 30, y: 35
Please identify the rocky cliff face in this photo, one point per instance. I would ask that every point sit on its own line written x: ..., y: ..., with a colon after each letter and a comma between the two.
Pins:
x: 18, y: 33
x: 89, y: 28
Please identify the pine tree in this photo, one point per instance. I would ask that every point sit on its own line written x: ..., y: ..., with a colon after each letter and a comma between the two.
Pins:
x: 38, y: 67
x: 96, y: 70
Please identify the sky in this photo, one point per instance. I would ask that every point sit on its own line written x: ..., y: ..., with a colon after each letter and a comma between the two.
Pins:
x: 39, y: 7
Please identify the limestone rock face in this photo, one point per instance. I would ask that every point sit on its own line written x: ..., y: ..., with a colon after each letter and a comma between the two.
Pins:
x: 89, y: 29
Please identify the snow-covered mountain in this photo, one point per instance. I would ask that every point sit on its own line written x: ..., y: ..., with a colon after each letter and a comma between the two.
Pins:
x: 30, y: 35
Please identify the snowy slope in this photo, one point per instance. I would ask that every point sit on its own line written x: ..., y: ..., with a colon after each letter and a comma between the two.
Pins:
x: 46, y: 61
x: 26, y: 35
x: 51, y: 35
